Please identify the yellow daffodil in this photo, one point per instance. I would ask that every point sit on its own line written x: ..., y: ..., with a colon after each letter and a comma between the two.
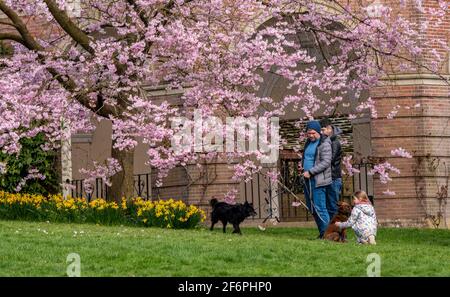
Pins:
x: 169, y: 210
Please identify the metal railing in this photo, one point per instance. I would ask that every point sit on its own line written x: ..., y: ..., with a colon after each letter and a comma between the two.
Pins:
x: 142, y: 188
x: 292, y: 178
x: 361, y: 181
x: 259, y: 190
x: 263, y: 194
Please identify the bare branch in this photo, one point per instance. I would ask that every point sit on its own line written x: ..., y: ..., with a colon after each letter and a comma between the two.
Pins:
x: 69, y: 26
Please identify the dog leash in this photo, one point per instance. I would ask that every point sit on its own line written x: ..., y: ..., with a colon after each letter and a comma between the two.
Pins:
x: 295, y: 196
x: 301, y: 202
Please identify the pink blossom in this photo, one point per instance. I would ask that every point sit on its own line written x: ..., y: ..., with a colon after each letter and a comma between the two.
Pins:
x: 401, y: 152
x: 230, y: 196
x: 348, y: 165
x: 68, y: 186
x: 245, y: 171
x: 273, y: 175
x: 105, y: 172
x: 211, y: 52
x: 389, y: 193
x: 383, y: 171
x: 32, y: 174
x: 393, y: 113
x: 296, y: 204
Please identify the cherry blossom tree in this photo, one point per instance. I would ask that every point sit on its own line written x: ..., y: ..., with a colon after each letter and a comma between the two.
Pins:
x: 94, y: 63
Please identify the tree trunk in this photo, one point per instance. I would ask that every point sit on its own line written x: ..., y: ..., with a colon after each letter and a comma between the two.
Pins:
x: 57, y: 166
x: 123, y: 181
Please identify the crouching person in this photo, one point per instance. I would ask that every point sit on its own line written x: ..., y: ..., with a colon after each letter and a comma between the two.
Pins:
x: 363, y: 219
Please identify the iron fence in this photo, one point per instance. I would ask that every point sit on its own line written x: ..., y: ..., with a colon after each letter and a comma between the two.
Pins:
x: 361, y: 180
x: 142, y: 188
x: 270, y: 199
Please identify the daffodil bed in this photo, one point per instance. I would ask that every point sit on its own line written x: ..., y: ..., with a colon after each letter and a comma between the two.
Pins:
x: 54, y: 208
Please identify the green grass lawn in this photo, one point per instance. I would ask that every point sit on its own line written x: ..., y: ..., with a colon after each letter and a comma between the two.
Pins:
x: 40, y: 249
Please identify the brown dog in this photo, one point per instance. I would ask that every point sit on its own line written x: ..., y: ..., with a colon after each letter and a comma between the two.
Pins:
x: 333, y: 232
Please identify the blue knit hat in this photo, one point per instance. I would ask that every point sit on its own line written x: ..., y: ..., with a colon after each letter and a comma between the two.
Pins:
x: 313, y: 125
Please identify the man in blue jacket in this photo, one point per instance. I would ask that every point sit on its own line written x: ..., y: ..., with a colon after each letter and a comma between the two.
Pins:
x: 316, y: 164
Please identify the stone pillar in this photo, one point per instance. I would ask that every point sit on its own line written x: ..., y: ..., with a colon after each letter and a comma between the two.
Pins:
x: 66, y: 159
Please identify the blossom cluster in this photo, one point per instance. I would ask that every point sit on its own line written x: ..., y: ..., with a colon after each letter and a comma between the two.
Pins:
x: 347, y: 161
x: 32, y: 174
x: 217, y: 54
x: 401, y: 152
x: 105, y: 172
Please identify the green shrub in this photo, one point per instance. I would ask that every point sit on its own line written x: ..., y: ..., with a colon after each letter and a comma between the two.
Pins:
x: 31, y: 156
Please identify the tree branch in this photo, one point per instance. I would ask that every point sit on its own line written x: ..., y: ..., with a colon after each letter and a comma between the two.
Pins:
x: 69, y: 26
x: 27, y: 38
x: 7, y: 24
x: 66, y: 82
x: 11, y: 36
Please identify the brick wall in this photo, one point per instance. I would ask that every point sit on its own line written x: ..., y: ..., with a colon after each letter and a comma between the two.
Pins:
x: 423, y: 131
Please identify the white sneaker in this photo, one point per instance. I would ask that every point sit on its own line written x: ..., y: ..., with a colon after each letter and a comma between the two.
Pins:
x: 372, y: 240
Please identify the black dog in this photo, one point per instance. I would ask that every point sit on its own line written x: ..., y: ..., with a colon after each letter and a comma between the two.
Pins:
x: 235, y: 214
